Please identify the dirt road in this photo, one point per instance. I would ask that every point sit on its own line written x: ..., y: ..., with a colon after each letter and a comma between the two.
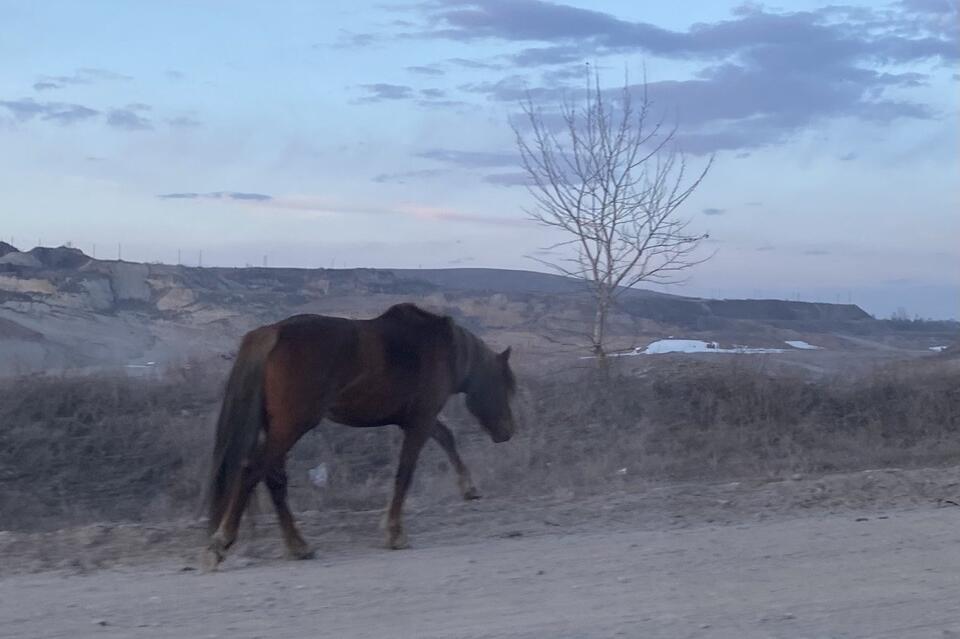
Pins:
x: 813, y: 572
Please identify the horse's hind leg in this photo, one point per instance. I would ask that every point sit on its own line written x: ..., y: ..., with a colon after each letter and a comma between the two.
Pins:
x: 414, y: 437
x: 442, y: 435
x: 226, y: 533
x: 276, y: 481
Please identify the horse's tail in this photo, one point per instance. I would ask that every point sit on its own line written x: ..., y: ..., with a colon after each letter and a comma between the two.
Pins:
x: 242, y: 419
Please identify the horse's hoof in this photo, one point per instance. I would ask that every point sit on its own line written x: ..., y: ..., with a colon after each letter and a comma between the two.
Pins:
x: 397, y: 541
x: 470, y: 494
x: 210, y: 560
x: 301, y: 554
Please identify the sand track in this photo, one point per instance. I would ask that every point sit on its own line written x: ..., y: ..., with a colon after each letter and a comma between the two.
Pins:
x: 648, y: 563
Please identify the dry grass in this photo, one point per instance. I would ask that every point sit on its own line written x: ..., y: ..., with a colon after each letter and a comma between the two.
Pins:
x: 76, y: 450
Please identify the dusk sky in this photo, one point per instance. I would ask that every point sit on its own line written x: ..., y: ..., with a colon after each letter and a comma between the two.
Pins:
x: 378, y: 134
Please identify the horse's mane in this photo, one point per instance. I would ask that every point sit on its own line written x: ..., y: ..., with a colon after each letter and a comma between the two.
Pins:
x: 467, y: 350
x: 408, y: 311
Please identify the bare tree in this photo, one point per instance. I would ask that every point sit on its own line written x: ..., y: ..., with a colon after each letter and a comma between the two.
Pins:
x: 612, y: 181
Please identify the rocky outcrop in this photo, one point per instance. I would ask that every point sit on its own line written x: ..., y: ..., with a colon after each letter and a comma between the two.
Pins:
x: 60, y: 257
x: 16, y: 258
x: 129, y: 281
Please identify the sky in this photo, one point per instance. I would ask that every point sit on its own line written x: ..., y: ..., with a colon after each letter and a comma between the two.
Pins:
x: 378, y: 134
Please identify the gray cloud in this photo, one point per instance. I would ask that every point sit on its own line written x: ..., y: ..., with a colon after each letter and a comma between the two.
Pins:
x: 432, y: 93
x: 349, y: 40
x: 382, y: 91
x: 217, y: 195
x: 434, y: 103
x: 183, y: 121
x: 714, y: 211
x: 60, y: 112
x: 475, y: 64
x: 508, y: 179
x: 900, y: 36
x: 471, y: 159
x: 769, y: 73
x: 848, y: 157
x: 816, y: 252
x: 740, y: 107
x: 128, y: 119
x: 80, y: 76
x: 426, y: 70
x: 404, y: 176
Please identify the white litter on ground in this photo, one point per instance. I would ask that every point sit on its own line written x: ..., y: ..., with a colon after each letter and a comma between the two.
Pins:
x: 318, y: 475
x: 802, y: 345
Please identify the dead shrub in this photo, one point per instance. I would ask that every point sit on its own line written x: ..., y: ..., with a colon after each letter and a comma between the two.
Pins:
x: 82, y: 449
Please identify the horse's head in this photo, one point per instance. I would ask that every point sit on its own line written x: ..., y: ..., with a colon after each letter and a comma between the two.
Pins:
x: 490, y: 391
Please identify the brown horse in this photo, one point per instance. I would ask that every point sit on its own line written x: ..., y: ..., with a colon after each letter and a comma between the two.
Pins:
x: 398, y: 368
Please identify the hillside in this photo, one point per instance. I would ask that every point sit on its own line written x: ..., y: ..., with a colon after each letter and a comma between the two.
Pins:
x: 62, y: 310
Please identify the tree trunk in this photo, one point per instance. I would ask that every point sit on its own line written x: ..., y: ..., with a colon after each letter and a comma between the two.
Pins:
x: 599, y: 328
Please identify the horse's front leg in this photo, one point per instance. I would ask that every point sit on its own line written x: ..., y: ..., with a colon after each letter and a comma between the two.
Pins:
x: 414, y: 437
x: 443, y: 436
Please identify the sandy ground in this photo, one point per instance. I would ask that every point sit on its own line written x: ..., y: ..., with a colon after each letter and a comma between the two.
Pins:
x: 874, y: 554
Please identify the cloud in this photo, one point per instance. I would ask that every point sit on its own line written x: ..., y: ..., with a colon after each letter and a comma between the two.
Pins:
x: 314, y: 206
x: 816, y: 252
x: 350, y: 40
x: 471, y: 159
x: 849, y: 157
x: 475, y: 64
x: 129, y: 118
x: 404, y: 176
x: 714, y: 211
x: 80, y: 76
x: 594, y: 32
x: 432, y: 93
x: 508, y: 179
x: 217, y: 195
x: 60, y: 112
x: 183, y: 121
x: 426, y: 70
x: 381, y: 91
x: 766, y: 74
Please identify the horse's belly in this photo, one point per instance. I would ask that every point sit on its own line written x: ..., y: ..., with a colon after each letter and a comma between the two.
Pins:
x: 369, y: 411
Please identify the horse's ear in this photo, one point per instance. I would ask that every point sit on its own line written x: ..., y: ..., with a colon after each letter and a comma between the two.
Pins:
x: 505, y: 355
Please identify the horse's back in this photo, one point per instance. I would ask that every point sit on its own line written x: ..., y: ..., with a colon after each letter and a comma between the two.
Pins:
x: 316, y: 343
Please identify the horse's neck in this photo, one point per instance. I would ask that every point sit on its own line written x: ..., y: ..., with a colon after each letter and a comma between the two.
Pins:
x: 470, y: 352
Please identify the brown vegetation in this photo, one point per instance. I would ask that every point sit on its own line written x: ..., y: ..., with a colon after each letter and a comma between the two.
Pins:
x: 81, y: 449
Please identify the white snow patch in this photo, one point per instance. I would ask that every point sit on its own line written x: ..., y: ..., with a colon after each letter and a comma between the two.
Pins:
x: 697, y: 346
x: 802, y: 345
x: 938, y: 349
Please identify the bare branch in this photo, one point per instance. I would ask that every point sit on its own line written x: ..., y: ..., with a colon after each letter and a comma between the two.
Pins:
x: 613, y: 181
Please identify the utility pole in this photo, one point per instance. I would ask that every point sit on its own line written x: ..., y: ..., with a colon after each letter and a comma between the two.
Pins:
x: 119, y: 251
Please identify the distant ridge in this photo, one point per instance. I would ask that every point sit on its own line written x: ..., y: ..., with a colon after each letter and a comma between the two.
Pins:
x: 499, y: 280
